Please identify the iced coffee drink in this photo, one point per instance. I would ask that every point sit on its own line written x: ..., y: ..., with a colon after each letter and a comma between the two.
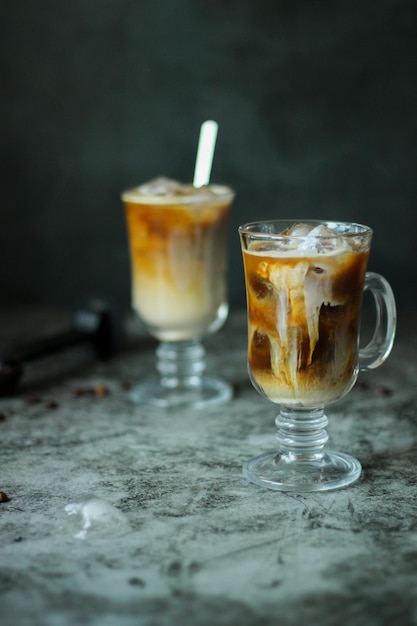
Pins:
x: 304, y: 293
x: 177, y: 236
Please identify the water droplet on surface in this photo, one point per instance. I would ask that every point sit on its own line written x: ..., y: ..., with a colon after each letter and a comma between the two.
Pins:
x: 96, y: 517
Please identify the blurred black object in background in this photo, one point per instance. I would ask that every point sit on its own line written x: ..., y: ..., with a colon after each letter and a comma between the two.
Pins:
x: 92, y: 329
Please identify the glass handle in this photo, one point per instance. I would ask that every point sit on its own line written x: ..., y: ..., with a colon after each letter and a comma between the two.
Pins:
x: 379, y: 347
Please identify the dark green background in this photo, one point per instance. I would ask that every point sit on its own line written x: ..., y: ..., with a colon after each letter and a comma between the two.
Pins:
x: 316, y: 104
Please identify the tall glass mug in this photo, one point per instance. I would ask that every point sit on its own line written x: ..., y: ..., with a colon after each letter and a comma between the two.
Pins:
x: 177, y: 237
x: 304, y: 287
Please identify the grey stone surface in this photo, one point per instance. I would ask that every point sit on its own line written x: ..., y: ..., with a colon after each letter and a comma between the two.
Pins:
x: 190, y: 542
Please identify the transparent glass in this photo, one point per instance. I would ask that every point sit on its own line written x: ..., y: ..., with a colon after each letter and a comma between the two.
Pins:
x: 177, y: 241
x: 304, y: 290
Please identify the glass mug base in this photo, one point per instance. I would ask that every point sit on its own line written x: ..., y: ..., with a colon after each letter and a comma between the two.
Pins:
x: 206, y: 391
x: 284, y: 472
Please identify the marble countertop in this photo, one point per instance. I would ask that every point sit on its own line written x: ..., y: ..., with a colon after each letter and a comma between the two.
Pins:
x: 178, y: 537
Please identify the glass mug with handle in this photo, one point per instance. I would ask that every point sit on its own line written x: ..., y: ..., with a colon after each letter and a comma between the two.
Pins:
x: 304, y: 287
x: 177, y: 236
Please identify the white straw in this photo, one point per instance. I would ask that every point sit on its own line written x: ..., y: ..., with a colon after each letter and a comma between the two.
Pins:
x: 205, y: 152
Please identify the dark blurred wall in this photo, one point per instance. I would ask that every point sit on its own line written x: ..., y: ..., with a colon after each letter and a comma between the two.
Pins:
x: 316, y: 104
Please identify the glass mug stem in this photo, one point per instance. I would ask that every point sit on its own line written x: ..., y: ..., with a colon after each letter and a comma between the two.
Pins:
x: 180, y: 363
x: 301, y: 433
x: 302, y: 463
x: 182, y: 381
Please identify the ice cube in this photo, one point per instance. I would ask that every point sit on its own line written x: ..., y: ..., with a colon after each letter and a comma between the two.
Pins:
x: 288, y: 283
x: 297, y: 230
x: 260, y: 350
x: 261, y: 287
x: 163, y: 187
x: 160, y: 186
x: 290, y: 237
x: 322, y: 240
x: 98, y: 517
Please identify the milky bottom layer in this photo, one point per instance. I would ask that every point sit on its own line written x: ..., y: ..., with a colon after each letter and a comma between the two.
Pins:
x: 174, y: 312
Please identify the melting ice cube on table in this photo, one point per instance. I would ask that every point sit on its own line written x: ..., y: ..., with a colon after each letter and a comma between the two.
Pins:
x: 97, y: 517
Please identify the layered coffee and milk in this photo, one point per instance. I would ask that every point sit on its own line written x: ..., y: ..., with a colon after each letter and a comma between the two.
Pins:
x: 177, y: 235
x: 304, y: 295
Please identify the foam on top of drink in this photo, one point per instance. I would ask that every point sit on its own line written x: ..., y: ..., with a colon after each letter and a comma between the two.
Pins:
x: 162, y: 190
